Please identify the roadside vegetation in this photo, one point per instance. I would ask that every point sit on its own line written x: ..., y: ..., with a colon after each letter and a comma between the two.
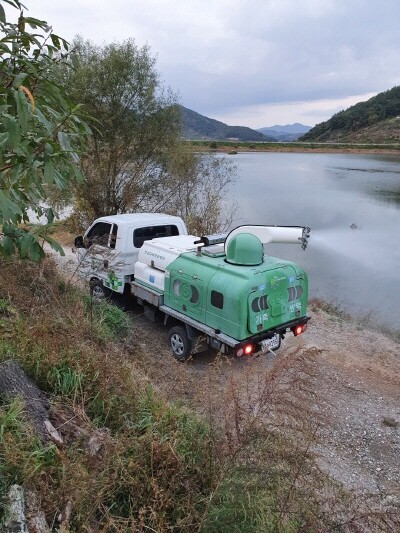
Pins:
x: 152, y: 467
x: 136, y: 459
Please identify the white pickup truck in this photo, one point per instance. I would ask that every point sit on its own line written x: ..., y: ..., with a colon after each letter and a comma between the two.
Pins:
x: 109, y: 249
x: 221, y: 291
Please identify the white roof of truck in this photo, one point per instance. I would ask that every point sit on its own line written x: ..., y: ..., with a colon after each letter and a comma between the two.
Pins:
x: 139, y: 218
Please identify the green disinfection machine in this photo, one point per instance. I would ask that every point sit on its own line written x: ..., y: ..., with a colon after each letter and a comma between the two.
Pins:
x: 226, y: 288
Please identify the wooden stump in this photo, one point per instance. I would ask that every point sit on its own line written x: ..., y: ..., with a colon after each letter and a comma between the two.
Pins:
x: 14, y: 384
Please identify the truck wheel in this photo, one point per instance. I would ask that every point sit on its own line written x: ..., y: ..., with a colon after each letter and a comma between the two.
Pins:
x: 98, y: 291
x: 179, y: 343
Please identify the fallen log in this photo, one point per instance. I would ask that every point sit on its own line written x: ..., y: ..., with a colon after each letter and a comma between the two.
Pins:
x: 15, y: 521
x: 14, y: 384
x: 23, y: 513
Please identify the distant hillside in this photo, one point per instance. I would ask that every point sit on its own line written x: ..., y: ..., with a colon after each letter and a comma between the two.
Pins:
x: 375, y: 121
x: 196, y: 126
x: 289, y: 132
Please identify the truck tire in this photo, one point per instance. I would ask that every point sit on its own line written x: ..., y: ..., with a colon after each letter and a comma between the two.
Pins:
x: 179, y: 343
x: 98, y: 291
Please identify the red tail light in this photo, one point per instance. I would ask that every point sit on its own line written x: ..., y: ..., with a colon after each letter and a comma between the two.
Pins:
x: 297, y: 330
x: 246, y: 349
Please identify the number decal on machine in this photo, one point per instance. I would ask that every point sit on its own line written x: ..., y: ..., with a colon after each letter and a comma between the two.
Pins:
x: 261, y: 318
x: 295, y: 307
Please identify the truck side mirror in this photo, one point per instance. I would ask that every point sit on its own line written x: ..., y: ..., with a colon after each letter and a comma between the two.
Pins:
x: 79, y: 242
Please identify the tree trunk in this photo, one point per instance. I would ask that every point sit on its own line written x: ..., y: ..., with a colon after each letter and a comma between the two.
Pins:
x: 14, y: 384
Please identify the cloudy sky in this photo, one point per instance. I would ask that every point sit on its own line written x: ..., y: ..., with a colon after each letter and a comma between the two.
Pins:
x: 251, y: 62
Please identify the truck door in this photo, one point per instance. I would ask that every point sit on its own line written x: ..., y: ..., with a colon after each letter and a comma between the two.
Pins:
x: 268, y: 305
x: 186, y: 295
x: 102, y: 258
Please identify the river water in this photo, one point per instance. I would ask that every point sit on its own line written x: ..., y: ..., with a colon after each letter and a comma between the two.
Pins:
x: 356, y: 269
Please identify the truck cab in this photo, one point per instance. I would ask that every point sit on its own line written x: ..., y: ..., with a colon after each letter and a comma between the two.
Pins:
x: 109, y: 249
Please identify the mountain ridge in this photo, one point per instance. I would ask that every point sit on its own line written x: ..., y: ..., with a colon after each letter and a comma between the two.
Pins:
x: 199, y: 127
x: 377, y: 120
x: 289, y: 132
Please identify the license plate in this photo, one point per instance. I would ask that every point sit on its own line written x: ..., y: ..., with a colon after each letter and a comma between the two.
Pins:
x: 271, y: 344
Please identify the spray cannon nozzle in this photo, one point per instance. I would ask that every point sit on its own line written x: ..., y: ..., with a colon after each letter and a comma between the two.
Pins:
x: 305, y: 236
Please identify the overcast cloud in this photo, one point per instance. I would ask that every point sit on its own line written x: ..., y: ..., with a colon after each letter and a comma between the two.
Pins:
x: 251, y: 62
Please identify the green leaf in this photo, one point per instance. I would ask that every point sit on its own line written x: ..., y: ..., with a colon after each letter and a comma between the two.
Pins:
x: 13, y: 3
x: 7, y: 247
x: 3, y: 139
x: 34, y: 23
x: 36, y: 252
x: 64, y: 141
x: 59, y: 180
x: 24, y: 245
x: 63, y: 42
x: 2, y: 15
x: 5, y: 48
x: 8, y: 209
x: 55, y: 245
x: 50, y: 215
x: 48, y: 172
x: 79, y: 176
x: 19, y: 78
x: 43, y: 120
x: 22, y: 109
x: 56, y: 41
x: 13, y: 131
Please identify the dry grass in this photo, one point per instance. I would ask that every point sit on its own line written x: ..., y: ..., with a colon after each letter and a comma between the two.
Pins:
x: 243, y: 463
x: 151, y: 472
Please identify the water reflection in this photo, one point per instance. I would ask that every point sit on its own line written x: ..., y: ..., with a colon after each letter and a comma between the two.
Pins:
x: 330, y: 192
x: 391, y: 197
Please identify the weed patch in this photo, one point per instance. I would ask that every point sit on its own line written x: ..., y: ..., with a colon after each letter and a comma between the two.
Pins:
x: 108, y: 321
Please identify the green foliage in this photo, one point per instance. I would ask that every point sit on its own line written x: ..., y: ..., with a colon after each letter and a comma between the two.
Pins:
x: 65, y: 381
x: 135, y: 131
x: 41, y: 131
x: 154, y: 466
x: 109, y: 321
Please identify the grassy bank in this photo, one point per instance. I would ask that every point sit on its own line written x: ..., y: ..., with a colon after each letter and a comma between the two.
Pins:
x: 153, y: 469
x: 158, y: 466
x: 308, y: 147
